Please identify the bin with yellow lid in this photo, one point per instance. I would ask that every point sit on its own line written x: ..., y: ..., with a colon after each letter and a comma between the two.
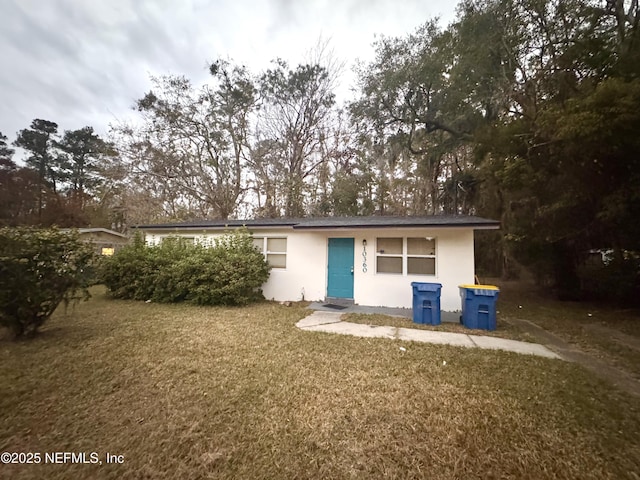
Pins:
x: 479, y: 306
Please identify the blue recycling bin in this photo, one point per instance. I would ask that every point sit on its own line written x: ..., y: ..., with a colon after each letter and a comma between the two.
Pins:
x: 426, y: 303
x: 479, y: 306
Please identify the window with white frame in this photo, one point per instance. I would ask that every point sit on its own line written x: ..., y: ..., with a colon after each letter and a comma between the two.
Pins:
x: 421, y: 256
x: 410, y: 255
x: 389, y: 255
x: 274, y: 250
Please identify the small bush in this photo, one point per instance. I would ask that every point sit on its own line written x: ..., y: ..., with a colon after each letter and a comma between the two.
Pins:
x: 38, y: 270
x: 229, y: 272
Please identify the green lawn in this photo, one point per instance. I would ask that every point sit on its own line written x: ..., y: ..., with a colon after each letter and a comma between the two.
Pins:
x: 193, y: 393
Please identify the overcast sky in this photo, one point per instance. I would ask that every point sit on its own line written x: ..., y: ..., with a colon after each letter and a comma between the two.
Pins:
x: 84, y: 62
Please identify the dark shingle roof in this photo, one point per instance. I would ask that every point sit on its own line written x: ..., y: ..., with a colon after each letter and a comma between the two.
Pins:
x: 387, y: 221
x: 337, y: 222
x: 259, y: 222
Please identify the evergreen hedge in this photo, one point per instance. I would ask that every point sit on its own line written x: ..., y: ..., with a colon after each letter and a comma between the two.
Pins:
x: 229, y: 271
x: 39, y: 268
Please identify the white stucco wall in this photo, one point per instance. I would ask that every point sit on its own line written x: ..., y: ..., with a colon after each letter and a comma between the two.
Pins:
x: 454, y: 265
x: 305, y: 276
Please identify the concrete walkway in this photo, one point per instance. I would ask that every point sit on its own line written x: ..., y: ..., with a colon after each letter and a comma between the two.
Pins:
x: 322, y: 321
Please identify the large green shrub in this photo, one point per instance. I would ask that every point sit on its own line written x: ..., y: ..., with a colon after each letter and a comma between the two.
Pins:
x: 38, y: 270
x: 228, y: 272
x: 132, y: 272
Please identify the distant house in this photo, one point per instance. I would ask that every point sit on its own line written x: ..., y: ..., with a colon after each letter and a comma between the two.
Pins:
x: 368, y: 260
x: 599, y: 257
x: 105, y: 241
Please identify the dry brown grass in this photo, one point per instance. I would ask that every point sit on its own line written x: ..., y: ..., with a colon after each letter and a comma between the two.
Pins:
x: 608, y: 333
x: 193, y: 393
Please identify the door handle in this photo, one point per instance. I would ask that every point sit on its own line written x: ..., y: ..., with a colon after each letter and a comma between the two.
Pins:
x: 352, y: 270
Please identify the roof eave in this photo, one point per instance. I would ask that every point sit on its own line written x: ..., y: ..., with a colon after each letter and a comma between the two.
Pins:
x: 475, y: 226
x: 208, y: 227
x: 310, y: 225
x: 94, y: 230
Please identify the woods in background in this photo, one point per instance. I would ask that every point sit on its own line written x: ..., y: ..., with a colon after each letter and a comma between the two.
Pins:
x: 64, y: 180
x: 525, y: 111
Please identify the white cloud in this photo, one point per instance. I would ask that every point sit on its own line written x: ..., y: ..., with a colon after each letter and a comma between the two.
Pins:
x: 79, y: 62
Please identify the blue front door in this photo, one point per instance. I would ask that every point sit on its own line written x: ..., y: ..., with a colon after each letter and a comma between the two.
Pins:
x: 340, y: 269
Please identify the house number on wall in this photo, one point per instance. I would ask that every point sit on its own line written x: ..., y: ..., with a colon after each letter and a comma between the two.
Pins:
x: 364, y: 257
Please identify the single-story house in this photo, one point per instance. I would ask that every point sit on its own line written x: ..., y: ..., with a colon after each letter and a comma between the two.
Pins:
x: 105, y: 241
x: 369, y: 260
